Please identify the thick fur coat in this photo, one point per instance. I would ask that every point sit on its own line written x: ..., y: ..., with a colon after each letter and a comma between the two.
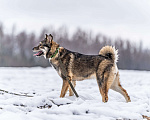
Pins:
x: 103, y: 67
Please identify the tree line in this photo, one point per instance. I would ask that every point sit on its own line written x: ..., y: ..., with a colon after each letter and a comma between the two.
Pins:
x: 16, y: 49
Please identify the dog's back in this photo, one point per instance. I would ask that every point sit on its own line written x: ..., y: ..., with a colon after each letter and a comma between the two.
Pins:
x: 80, y: 66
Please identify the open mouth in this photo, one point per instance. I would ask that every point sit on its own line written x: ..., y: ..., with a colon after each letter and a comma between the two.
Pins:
x: 39, y: 53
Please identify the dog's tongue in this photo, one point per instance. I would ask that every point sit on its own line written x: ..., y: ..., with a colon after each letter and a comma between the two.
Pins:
x: 37, y: 53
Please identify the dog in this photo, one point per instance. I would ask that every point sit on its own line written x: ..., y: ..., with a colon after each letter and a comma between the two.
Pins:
x: 103, y: 67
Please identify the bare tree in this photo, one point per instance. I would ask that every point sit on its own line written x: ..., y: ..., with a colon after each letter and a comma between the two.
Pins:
x: 16, y: 50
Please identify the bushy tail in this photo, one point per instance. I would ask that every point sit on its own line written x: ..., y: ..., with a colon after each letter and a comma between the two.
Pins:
x: 109, y: 52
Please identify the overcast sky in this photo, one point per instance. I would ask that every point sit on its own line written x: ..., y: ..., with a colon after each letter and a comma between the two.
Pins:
x: 129, y: 19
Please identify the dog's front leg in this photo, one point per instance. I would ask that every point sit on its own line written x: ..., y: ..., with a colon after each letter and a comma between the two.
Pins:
x: 64, y: 89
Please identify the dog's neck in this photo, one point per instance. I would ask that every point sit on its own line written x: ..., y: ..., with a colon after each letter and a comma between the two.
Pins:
x: 57, y: 51
x: 56, y: 54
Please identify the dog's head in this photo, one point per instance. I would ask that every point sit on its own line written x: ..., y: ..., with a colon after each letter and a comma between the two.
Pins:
x: 46, y: 48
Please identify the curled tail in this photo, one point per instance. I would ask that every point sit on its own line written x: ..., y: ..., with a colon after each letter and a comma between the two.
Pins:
x: 109, y: 52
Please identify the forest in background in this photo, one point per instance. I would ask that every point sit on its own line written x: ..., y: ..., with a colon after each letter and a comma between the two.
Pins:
x: 16, y: 49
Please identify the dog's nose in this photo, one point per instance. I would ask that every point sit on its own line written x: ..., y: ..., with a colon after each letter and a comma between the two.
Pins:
x: 32, y: 48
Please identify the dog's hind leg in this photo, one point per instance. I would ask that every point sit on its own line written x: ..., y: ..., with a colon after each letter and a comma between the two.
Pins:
x: 104, y: 78
x: 64, y: 89
x: 103, y: 88
x: 70, y: 90
x: 116, y: 86
x: 105, y: 85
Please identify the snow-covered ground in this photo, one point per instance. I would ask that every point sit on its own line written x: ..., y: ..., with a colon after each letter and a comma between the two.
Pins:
x: 45, y: 85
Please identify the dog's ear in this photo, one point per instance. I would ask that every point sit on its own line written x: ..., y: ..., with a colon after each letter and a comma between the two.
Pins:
x: 49, y: 38
x: 46, y: 36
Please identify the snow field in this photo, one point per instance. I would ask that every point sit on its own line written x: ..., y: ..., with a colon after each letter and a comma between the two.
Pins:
x: 44, y: 85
